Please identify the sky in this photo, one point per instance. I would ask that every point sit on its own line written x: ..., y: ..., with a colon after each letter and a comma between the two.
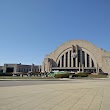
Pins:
x: 31, y: 29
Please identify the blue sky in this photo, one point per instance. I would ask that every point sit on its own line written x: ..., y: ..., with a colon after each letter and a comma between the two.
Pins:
x: 30, y: 29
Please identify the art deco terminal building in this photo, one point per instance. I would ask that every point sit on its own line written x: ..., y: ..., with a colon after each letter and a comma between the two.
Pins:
x: 77, y: 55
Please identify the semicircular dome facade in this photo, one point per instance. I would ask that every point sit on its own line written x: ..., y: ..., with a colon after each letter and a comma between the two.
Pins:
x: 77, y: 55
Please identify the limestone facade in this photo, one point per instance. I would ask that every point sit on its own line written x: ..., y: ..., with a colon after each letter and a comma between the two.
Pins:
x: 77, y: 55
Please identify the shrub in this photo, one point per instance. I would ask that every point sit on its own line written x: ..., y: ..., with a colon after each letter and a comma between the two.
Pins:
x: 88, y: 73
x: 82, y: 74
x: 66, y: 75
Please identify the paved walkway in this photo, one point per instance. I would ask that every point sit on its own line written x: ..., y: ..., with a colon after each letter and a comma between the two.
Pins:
x: 82, y: 95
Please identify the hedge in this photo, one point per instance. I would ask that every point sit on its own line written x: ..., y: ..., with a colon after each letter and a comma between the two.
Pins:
x: 6, y: 74
x: 62, y: 75
x: 80, y: 75
x: 83, y: 74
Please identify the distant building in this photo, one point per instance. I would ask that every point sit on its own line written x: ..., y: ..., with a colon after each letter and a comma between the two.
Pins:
x: 20, y: 68
x: 77, y: 56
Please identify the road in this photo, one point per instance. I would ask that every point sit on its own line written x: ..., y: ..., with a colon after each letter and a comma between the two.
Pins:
x: 23, y: 83
x: 8, y: 83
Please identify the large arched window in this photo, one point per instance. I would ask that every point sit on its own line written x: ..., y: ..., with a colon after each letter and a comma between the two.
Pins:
x: 84, y: 58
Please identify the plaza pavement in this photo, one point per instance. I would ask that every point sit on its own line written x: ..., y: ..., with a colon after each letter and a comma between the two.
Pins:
x: 75, y: 94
